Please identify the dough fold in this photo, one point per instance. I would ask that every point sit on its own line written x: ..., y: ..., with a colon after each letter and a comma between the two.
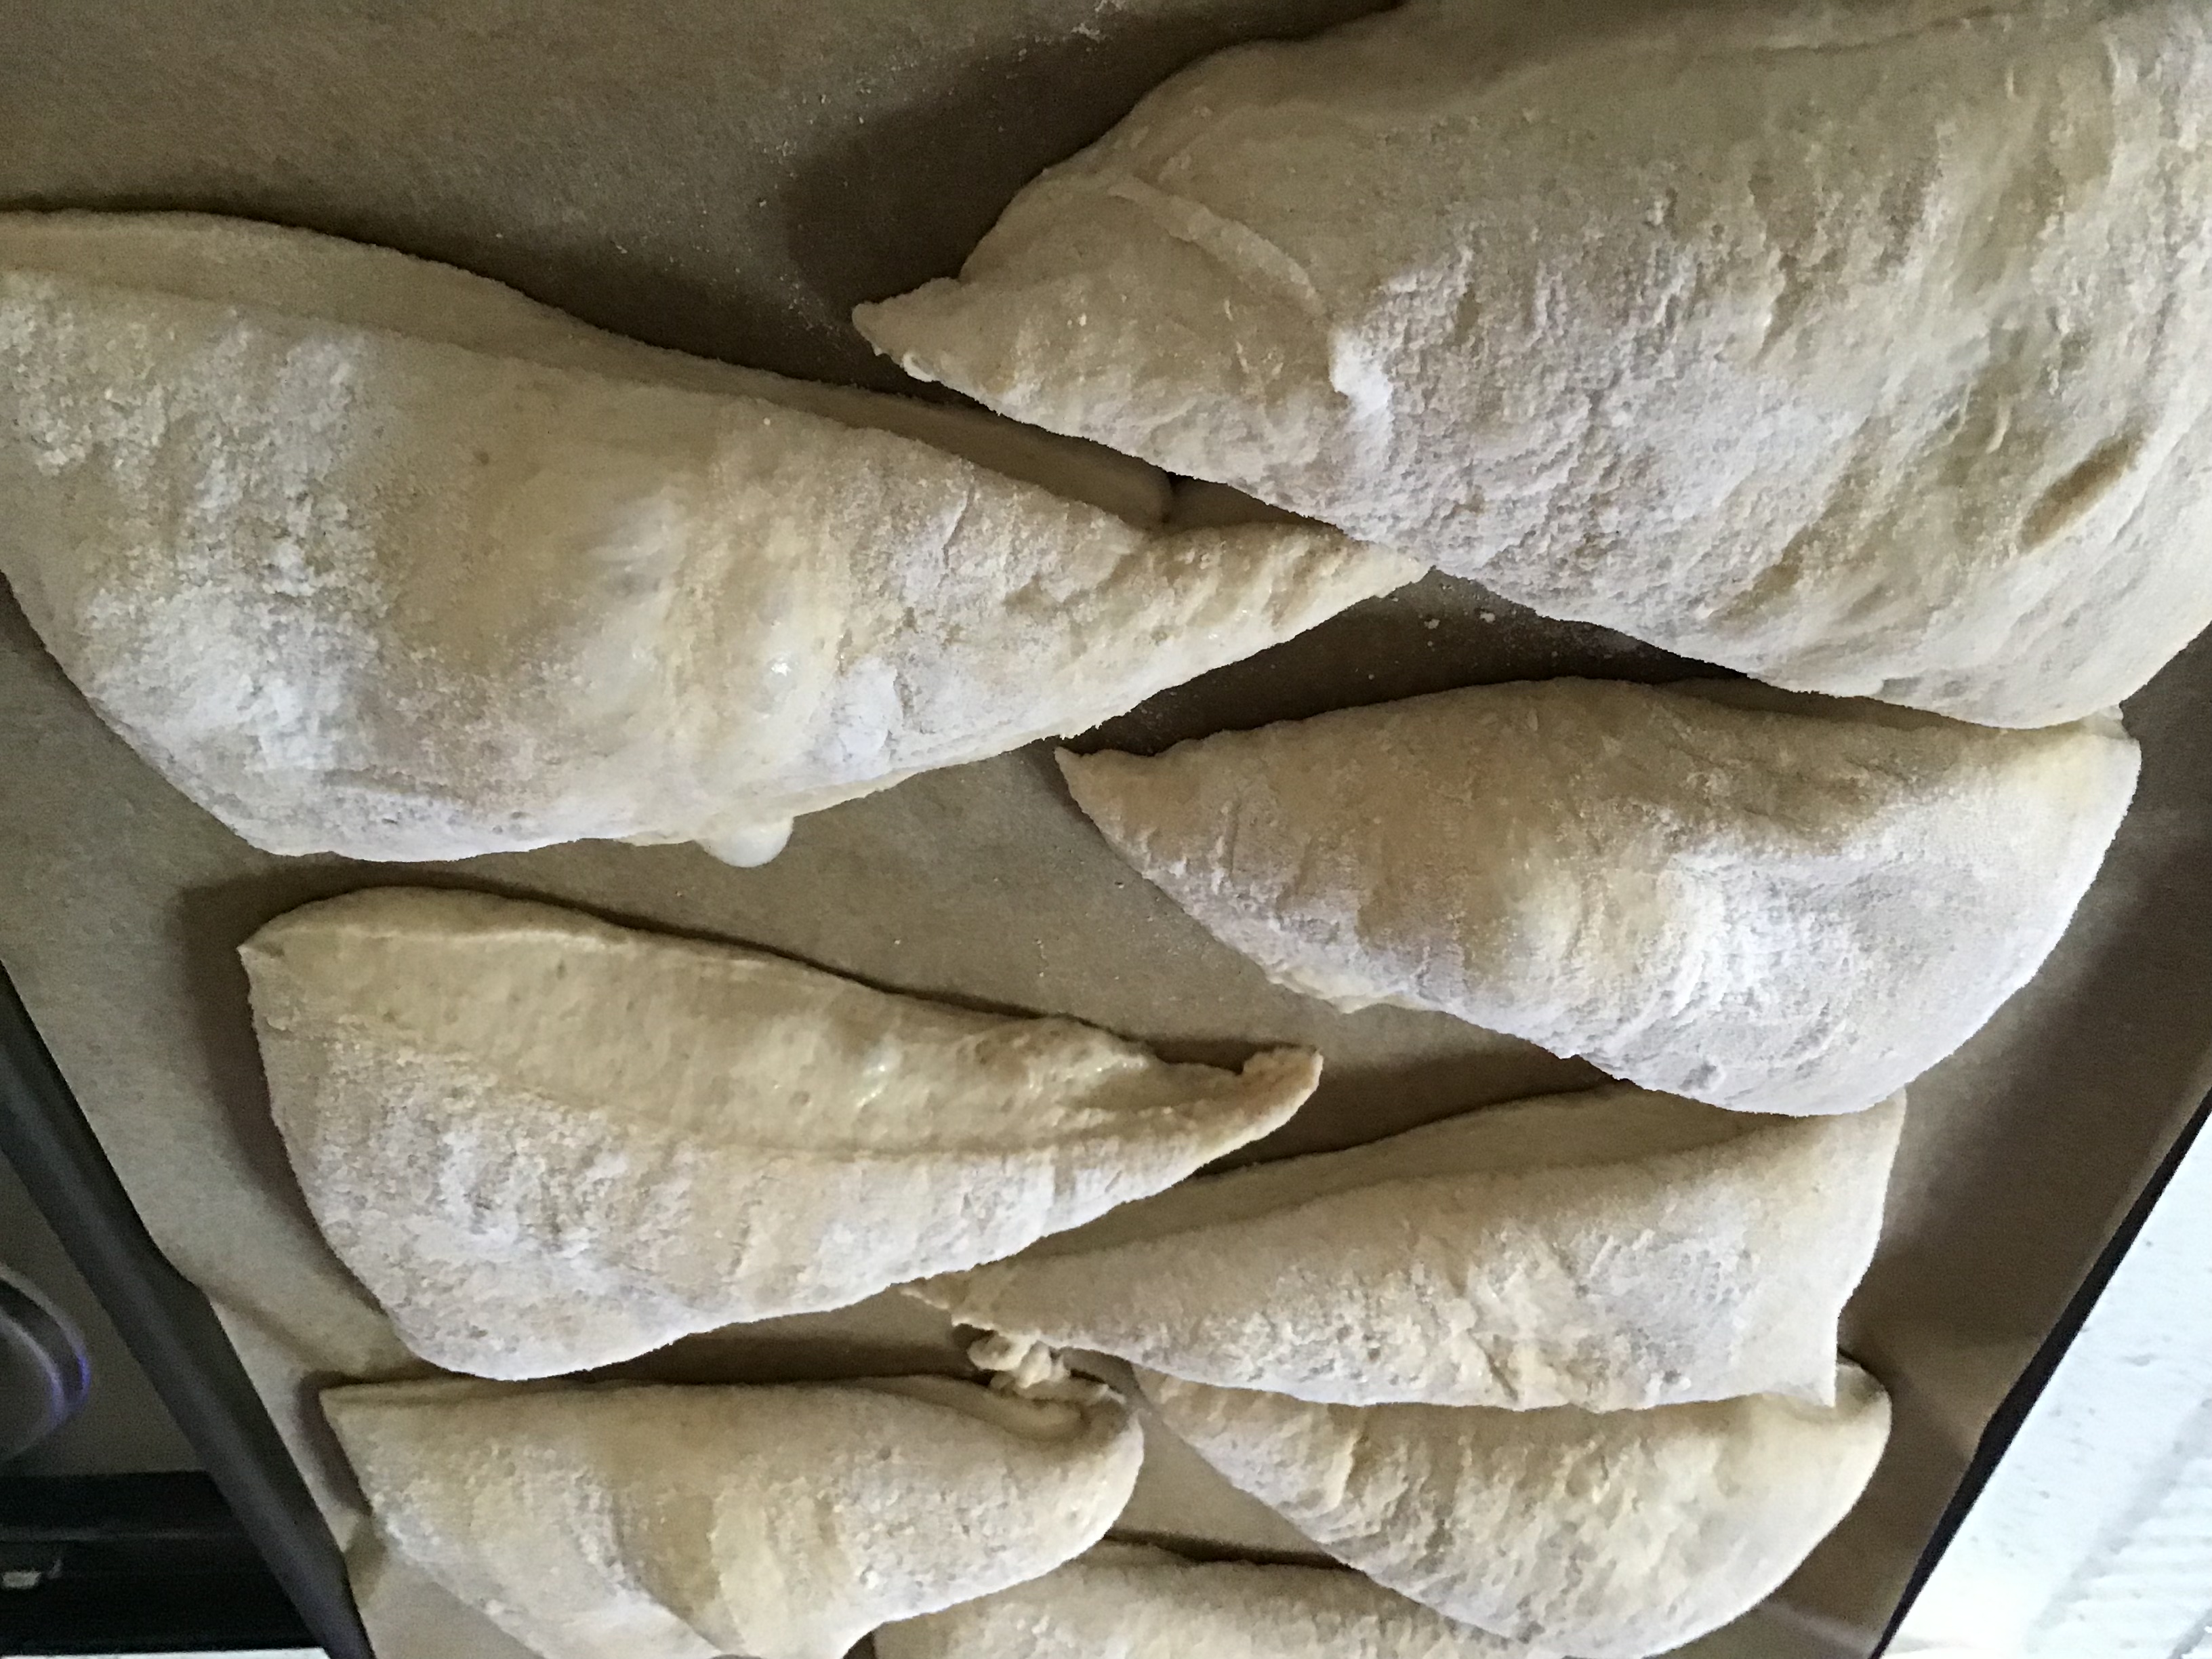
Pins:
x: 1857, y: 347
x: 1129, y: 1601
x: 370, y: 556
x: 1609, y: 1535
x: 1613, y: 1250
x: 633, y: 1521
x: 545, y: 1144
x: 1769, y: 902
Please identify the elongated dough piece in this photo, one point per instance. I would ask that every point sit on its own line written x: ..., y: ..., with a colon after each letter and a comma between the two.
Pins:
x: 1772, y: 902
x: 1611, y: 1249
x: 370, y: 555
x: 1610, y: 1536
x: 1858, y: 347
x: 1128, y: 1601
x: 630, y: 1521
x: 545, y: 1144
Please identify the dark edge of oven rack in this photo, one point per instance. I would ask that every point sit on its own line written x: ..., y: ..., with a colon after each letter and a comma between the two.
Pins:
x: 152, y: 1562
x: 2011, y: 1412
x: 169, y: 1329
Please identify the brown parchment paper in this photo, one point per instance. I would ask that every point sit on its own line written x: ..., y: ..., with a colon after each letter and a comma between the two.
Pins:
x: 728, y: 176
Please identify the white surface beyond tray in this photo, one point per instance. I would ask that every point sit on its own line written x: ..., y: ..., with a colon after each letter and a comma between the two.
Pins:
x: 2094, y: 1535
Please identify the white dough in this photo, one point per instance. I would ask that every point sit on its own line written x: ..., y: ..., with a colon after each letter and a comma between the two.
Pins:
x: 545, y: 1144
x: 370, y: 555
x: 1611, y: 1249
x: 1772, y: 902
x: 629, y: 1522
x: 1860, y: 346
x: 1128, y: 1601
x: 1610, y: 1536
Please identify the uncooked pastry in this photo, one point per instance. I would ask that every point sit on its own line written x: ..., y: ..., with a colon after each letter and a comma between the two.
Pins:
x: 1773, y: 902
x: 1610, y: 1250
x: 370, y: 555
x: 633, y: 1521
x: 1610, y: 1535
x: 1858, y: 347
x: 545, y: 1144
x: 1129, y: 1601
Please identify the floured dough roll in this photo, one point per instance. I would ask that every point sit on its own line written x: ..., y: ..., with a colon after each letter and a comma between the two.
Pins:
x: 1128, y: 1601
x: 615, y: 1522
x: 545, y: 1144
x: 1858, y: 347
x: 370, y: 555
x: 1610, y: 1536
x: 1611, y: 1249
x: 1772, y: 902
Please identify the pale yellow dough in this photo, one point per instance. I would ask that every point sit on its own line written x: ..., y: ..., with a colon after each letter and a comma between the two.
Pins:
x: 1611, y: 1249
x: 1769, y: 902
x: 545, y: 1144
x: 630, y: 1521
x: 1128, y: 1601
x: 1607, y: 1535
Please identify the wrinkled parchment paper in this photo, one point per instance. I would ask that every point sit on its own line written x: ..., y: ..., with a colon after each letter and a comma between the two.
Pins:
x: 728, y: 177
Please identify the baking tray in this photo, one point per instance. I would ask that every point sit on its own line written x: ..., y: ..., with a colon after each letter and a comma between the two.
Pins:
x: 174, y: 1335
x: 728, y: 181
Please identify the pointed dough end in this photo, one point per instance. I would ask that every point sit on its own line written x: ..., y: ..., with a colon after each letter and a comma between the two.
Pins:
x: 1281, y: 1080
x: 883, y: 324
x: 1092, y: 780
